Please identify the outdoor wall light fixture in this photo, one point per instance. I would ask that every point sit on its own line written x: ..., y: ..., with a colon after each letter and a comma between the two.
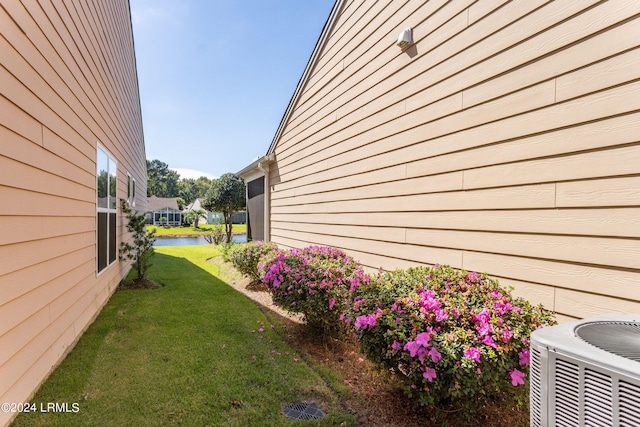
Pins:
x: 405, y: 39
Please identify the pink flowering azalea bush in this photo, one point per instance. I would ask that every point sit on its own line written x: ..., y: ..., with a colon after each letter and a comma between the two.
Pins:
x: 451, y: 334
x: 247, y: 258
x: 313, y: 281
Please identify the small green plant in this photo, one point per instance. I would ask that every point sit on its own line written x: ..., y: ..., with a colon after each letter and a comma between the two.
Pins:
x: 216, y: 235
x: 451, y: 334
x: 249, y: 257
x: 140, y: 251
x: 163, y: 220
x: 226, y: 248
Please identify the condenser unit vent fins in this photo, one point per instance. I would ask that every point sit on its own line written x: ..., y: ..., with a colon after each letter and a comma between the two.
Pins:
x: 618, y: 338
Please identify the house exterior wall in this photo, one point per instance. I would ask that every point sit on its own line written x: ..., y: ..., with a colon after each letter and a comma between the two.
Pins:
x: 506, y: 140
x: 68, y: 85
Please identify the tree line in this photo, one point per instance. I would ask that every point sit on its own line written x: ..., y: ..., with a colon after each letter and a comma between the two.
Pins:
x: 164, y: 182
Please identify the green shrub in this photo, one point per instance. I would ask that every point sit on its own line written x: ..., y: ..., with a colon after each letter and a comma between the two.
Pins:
x: 247, y: 257
x: 140, y: 250
x: 313, y: 282
x: 226, y: 248
x: 450, y: 334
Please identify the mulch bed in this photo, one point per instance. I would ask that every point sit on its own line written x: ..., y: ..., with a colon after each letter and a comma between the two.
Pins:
x: 375, y: 397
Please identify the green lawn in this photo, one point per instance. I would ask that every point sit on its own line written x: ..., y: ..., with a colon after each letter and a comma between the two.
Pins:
x: 183, y: 355
x: 202, y: 228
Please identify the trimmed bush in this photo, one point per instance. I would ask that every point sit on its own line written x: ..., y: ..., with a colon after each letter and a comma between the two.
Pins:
x: 450, y: 334
x: 247, y: 257
x: 313, y: 282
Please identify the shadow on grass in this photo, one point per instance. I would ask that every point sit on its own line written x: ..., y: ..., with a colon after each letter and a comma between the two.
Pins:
x: 189, y: 353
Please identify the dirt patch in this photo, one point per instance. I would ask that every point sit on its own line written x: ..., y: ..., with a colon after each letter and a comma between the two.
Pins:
x: 139, y: 284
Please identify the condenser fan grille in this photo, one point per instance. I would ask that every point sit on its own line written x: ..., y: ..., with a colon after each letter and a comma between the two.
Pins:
x: 621, y: 338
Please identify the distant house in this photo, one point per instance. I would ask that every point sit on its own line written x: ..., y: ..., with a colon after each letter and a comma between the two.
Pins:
x: 71, y: 148
x: 163, y: 211
x: 501, y: 137
x: 239, y: 217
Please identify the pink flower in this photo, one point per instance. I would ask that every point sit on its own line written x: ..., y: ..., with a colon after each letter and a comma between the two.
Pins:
x: 396, y: 345
x: 423, y: 339
x: 482, y: 317
x: 472, y: 354
x: 429, y: 374
x: 473, y: 277
x: 261, y: 330
x: 484, y: 329
x: 488, y: 340
x: 413, y: 348
x: 524, y: 357
x: 441, y: 315
x: 506, y: 334
x: 429, y: 301
x: 332, y: 302
x: 435, y: 355
x: 366, y: 320
x: 517, y: 377
x: 295, y: 359
x: 254, y: 357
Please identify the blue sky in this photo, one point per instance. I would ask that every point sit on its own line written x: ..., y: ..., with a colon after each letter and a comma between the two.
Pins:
x: 216, y: 76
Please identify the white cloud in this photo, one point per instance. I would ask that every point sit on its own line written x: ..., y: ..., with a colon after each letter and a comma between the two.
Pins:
x: 192, y: 173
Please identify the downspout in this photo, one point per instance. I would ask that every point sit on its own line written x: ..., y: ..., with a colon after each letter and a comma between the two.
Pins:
x: 263, y: 166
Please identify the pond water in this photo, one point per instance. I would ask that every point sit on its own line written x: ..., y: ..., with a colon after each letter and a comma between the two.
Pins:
x: 196, y: 240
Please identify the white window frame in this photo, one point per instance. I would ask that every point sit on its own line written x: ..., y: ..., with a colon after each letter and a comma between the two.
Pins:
x: 112, y: 208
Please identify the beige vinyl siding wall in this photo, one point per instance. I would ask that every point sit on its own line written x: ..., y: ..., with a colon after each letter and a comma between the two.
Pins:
x: 506, y: 140
x: 67, y: 83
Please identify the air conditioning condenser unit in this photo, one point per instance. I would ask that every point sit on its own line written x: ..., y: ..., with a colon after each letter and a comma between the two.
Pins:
x: 586, y: 373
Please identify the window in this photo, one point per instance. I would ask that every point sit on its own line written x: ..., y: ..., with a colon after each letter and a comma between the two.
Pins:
x: 106, y: 209
x: 131, y: 190
x: 128, y: 188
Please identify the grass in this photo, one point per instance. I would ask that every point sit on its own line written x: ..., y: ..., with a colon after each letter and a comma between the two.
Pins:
x: 190, y: 231
x: 183, y: 355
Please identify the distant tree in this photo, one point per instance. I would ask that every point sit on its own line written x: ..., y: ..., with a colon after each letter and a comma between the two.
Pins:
x: 202, y: 186
x: 181, y: 203
x: 188, y: 190
x: 226, y: 195
x: 161, y: 181
x: 191, y: 189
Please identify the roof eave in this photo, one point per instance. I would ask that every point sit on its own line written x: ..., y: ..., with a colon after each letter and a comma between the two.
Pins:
x: 262, y: 161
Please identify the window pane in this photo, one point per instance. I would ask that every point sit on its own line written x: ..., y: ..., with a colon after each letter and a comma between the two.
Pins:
x: 102, y: 241
x: 103, y: 178
x: 112, y: 237
x: 112, y: 183
x: 133, y: 192
x: 129, y: 188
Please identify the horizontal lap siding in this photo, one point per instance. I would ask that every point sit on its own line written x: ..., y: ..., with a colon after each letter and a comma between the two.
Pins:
x: 505, y: 141
x: 67, y: 83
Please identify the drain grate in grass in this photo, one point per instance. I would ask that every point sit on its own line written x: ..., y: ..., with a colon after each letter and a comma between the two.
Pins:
x: 303, y: 411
